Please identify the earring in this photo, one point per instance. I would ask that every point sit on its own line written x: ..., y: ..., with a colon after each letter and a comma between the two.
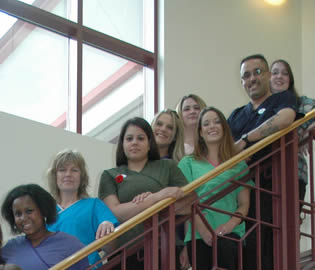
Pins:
x: 45, y: 219
x: 15, y: 228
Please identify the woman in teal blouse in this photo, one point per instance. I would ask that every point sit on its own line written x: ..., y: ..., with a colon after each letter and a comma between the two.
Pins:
x: 79, y: 215
x: 213, y: 146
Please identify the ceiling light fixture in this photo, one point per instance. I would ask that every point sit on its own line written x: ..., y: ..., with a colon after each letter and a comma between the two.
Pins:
x: 275, y: 2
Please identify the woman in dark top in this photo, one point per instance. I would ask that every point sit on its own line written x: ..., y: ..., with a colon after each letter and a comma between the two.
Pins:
x: 281, y: 80
x: 140, y: 179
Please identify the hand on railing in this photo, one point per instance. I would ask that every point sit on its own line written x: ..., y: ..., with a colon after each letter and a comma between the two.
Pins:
x: 104, y: 228
x: 140, y: 198
x: 170, y: 192
x: 240, y: 145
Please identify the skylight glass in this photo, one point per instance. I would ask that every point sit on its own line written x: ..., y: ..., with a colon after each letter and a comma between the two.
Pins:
x: 6, y: 21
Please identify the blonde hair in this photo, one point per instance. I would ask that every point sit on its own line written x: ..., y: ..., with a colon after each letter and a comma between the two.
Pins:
x: 227, y: 147
x: 179, y: 107
x: 176, y: 149
x: 61, y: 159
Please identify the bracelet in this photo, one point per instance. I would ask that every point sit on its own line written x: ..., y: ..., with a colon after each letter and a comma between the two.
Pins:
x: 241, y: 214
x: 245, y: 139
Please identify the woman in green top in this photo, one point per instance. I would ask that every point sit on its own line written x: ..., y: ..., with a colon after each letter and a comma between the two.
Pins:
x: 140, y: 179
x: 213, y: 146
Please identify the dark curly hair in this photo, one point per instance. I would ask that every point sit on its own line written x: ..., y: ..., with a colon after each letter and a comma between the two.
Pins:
x: 43, y: 200
x: 153, y: 154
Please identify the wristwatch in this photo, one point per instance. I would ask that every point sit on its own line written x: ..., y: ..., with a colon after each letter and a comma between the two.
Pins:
x: 245, y: 139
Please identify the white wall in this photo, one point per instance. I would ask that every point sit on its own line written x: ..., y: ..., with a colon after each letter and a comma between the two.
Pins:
x: 27, y: 148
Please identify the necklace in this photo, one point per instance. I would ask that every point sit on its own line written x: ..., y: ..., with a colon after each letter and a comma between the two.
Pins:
x: 213, y: 163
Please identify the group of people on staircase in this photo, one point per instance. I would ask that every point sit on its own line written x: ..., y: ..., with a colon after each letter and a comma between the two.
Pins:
x: 153, y: 162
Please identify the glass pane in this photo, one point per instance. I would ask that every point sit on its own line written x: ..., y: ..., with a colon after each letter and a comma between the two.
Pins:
x: 33, y: 73
x: 63, y: 8
x: 113, y: 91
x: 129, y: 21
x: 6, y: 22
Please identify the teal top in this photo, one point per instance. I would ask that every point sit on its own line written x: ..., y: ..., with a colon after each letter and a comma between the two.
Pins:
x: 82, y: 219
x: 194, y: 169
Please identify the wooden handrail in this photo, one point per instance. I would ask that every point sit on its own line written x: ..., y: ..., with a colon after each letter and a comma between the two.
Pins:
x: 246, y: 153
x: 126, y: 226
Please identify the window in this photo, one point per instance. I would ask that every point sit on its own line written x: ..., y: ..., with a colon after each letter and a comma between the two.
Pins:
x: 60, y: 72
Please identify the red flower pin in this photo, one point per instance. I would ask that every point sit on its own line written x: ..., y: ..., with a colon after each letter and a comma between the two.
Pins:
x: 120, y: 178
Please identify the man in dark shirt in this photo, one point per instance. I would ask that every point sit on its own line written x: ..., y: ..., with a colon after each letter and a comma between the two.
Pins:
x: 264, y: 115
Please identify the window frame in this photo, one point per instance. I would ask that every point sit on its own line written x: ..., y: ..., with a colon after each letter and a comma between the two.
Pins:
x: 84, y: 35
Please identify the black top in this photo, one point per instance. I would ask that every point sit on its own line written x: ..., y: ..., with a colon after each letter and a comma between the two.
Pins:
x: 245, y: 119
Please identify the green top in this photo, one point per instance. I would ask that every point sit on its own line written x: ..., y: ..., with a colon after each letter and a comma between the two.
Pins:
x: 155, y: 176
x: 194, y: 169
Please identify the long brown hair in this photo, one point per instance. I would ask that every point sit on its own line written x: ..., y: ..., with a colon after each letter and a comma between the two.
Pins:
x: 291, y: 77
x: 226, y: 148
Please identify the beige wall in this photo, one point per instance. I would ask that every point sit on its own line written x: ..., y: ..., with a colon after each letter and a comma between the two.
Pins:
x: 206, y: 39
x: 308, y: 47
x: 27, y: 148
x: 307, y: 70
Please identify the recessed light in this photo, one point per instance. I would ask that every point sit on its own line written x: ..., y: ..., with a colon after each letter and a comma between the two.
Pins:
x: 275, y: 2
